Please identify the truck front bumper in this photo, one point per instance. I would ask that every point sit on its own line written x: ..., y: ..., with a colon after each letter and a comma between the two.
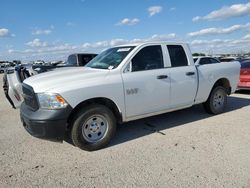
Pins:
x: 45, y: 124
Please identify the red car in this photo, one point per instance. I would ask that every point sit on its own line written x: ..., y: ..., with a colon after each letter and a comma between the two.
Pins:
x: 245, y: 75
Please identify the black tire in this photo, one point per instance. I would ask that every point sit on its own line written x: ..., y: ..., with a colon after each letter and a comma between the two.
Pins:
x: 80, y: 126
x: 217, y: 101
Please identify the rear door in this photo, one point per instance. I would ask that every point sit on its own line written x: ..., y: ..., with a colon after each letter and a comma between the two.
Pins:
x: 147, y: 84
x: 183, y: 77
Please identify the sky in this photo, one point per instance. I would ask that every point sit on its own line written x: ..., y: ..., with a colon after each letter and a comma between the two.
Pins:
x: 53, y: 29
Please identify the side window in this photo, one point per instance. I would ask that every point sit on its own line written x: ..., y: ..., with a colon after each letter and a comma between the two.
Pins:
x: 177, y: 56
x: 148, y: 58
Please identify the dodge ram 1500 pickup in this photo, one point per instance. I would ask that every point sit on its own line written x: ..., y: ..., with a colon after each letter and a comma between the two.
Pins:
x: 121, y: 84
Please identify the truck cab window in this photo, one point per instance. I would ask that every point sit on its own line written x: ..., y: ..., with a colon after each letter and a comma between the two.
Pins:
x: 148, y: 58
x: 177, y: 56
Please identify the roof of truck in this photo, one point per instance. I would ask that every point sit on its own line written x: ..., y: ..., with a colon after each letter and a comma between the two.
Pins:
x: 151, y: 42
x: 84, y: 54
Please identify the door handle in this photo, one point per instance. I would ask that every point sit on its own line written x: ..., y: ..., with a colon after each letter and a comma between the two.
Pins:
x: 190, y: 73
x: 162, y: 76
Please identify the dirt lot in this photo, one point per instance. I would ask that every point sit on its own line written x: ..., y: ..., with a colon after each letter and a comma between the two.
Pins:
x: 188, y: 148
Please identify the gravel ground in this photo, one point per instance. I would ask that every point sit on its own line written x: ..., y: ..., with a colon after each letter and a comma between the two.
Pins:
x: 188, y: 148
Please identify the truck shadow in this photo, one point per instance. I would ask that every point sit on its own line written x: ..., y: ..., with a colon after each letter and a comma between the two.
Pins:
x: 156, y: 124
x: 246, y: 92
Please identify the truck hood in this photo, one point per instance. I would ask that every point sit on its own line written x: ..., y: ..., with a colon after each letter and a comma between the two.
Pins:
x: 63, y: 77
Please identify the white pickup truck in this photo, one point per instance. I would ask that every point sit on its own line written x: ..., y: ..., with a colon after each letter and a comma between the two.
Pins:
x: 121, y: 84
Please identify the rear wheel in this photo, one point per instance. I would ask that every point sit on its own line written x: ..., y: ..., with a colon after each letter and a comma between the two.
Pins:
x: 216, y: 101
x: 93, y: 127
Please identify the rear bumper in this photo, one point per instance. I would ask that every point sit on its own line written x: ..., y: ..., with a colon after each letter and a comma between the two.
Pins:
x: 45, y: 124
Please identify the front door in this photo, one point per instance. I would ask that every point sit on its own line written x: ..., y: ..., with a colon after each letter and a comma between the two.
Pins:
x: 147, y: 84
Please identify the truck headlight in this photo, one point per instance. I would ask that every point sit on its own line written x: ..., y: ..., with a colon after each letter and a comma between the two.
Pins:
x: 51, y: 101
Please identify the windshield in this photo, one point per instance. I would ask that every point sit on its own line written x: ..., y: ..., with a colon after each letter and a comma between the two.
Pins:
x: 111, y: 58
x: 195, y: 59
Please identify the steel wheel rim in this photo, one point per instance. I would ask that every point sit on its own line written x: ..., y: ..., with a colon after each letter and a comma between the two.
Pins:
x: 95, y: 128
x: 219, y: 99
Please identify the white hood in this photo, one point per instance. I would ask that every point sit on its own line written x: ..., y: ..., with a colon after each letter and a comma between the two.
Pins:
x: 59, y: 78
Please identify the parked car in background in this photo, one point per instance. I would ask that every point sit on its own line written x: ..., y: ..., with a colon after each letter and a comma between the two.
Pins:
x: 202, y: 60
x: 2, y: 68
x: 122, y: 84
x: 14, y: 77
x: 244, y: 59
x: 38, y: 62
x: 229, y: 59
x: 79, y: 59
x: 244, y: 83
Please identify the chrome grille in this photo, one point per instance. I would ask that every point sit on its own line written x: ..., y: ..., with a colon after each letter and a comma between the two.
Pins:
x: 30, y: 98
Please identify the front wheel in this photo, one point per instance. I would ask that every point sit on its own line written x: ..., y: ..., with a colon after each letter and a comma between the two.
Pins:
x: 217, y: 101
x: 93, y: 127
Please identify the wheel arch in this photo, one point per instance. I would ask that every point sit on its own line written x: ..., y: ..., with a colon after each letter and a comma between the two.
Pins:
x: 223, y: 82
x: 98, y: 100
